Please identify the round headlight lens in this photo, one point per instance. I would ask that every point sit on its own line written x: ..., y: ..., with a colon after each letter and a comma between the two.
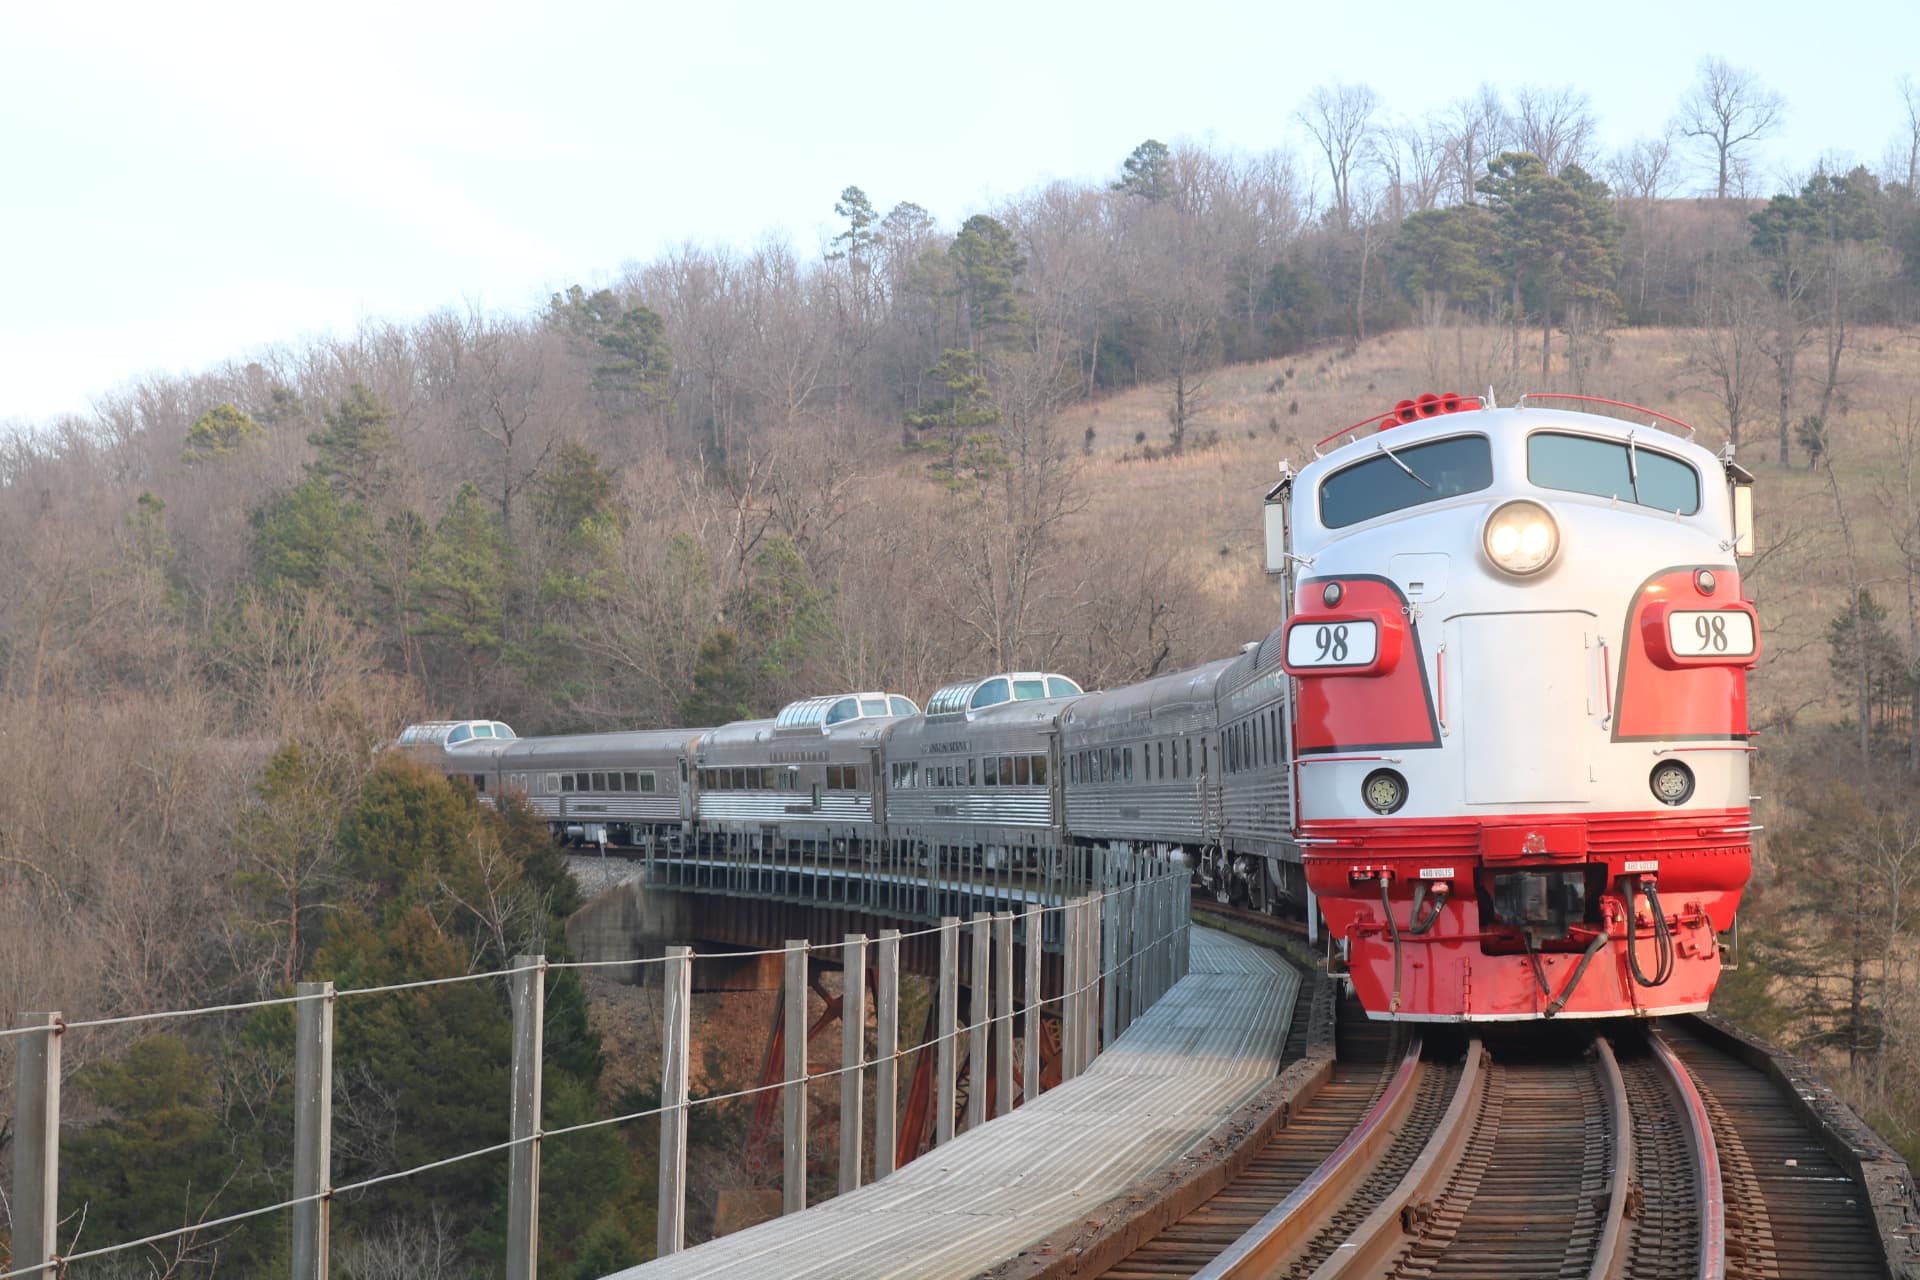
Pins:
x: 1672, y: 782
x: 1384, y: 791
x: 1522, y: 538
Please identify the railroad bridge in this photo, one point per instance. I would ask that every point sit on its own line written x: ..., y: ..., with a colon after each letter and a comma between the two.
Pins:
x: 1218, y: 1111
x: 1230, y: 1116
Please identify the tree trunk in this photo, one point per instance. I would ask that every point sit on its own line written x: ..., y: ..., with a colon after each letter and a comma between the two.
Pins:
x: 1546, y: 337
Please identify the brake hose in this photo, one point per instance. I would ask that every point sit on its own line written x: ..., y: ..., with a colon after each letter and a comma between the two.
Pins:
x: 1662, y: 937
x: 1421, y: 924
x: 1393, y: 931
x: 1559, y: 1002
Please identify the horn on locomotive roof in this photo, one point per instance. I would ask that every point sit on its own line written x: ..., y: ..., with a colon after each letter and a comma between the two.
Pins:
x: 1428, y: 405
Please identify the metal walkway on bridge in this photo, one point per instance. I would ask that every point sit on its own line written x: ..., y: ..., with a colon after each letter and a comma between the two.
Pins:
x: 1204, y: 1049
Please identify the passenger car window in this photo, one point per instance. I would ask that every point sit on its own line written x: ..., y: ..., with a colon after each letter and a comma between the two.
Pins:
x: 901, y: 707
x: 992, y: 693
x: 1061, y: 687
x: 1606, y: 469
x: 845, y: 709
x: 1377, y: 485
x: 1025, y: 689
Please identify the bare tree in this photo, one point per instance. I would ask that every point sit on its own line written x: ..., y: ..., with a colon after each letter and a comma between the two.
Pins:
x: 1340, y: 119
x: 1726, y: 111
x: 1903, y: 159
x: 1478, y: 130
x: 1728, y: 350
x: 1642, y: 177
x: 1557, y: 125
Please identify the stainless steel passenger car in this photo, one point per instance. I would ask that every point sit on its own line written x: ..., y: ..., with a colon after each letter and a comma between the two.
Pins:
x: 468, y: 749
x: 618, y: 789
x: 1251, y: 792
x: 1138, y: 762
x: 979, y: 771
x: 809, y: 777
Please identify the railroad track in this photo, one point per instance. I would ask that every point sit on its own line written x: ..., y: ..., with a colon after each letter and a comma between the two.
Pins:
x: 1552, y: 1152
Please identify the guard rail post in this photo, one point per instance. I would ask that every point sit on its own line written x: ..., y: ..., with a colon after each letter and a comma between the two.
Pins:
x: 526, y: 989
x: 853, y: 1042
x: 676, y: 1038
x: 979, y: 1002
x: 886, y: 1071
x: 1003, y: 1013
x: 1030, y: 1049
x: 36, y: 1141
x: 793, y: 1091
x: 312, y: 1128
x: 1072, y: 967
x: 949, y: 1002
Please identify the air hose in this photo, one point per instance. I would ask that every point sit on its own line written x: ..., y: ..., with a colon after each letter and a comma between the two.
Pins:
x: 1393, y: 931
x: 1662, y: 936
x: 1559, y: 1002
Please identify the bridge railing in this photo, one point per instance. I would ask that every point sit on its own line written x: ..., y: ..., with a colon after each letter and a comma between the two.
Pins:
x: 1123, y: 942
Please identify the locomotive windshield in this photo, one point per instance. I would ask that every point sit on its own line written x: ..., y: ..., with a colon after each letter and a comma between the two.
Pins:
x: 1620, y: 469
x: 1408, y: 477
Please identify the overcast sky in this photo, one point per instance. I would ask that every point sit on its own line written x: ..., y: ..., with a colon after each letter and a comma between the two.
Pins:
x: 184, y: 183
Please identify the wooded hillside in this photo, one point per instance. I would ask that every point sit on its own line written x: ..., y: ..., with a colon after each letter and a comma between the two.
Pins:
x: 735, y: 476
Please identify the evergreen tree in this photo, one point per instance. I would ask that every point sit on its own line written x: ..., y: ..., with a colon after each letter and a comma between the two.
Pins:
x: 460, y: 587
x: 1558, y: 239
x: 310, y: 539
x: 856, y: 243
x: 355, y: 452
x: 988, y: 265
x: 220, y: 432
x: 1148, y: 172
x: 957, y: 427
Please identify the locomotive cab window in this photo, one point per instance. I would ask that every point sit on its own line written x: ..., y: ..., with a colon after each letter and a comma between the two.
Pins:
x: 1406, y: 477
x: 1625, y: 470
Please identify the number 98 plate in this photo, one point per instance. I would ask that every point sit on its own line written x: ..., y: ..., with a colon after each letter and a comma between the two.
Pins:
x: 1333, y: 644
x: 1710, y: 633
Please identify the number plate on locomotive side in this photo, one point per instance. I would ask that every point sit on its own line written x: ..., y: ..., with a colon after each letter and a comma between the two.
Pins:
x: 1333, y: 644
x: 1710, y: 633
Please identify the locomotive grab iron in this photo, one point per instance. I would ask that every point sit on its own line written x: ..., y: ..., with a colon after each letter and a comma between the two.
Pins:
x: 1497, y: 747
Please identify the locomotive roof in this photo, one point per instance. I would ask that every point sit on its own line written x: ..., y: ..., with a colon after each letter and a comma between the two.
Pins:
x: 447, y: 733
x: 965, y: 697
x: 1656, y: 431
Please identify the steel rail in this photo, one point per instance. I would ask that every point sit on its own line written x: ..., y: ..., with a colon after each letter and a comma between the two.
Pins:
x: 1615, y: 1245
x: 1291, y: 1222
x: 1706, y: 1159
x: 1384, y: 1233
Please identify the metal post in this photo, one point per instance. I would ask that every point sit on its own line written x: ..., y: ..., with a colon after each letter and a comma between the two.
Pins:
x: 949, y: 980
x: 886, y: 1079
x: 1092, y: 932
x: 1072, y: 962
x: 793, y: 1092
x: 676, y: 1037
x: 853, y: 1043
x: 1003, y: 1012
x: 1112, y: 960
x: 36, y: 1141
x: 1030, y: 1031
x: 526, y: 991
x: 313, y: 1128
x: 979, y: 1021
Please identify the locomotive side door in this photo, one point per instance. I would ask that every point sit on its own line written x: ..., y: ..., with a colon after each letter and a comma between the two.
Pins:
x: 1525, y: 686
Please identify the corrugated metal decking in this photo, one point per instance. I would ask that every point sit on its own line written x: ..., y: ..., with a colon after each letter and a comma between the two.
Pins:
x: 1180, y: 1070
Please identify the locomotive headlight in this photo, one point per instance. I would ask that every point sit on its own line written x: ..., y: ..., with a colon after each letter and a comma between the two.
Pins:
x: 1522, y: 538
x: 1672, y: 782
x: 1384, y: 791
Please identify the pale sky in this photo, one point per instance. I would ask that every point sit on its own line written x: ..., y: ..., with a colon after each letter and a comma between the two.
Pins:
x: 186, y: 183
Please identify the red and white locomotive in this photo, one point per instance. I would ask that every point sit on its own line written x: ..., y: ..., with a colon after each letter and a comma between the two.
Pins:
x: 1519, y: 742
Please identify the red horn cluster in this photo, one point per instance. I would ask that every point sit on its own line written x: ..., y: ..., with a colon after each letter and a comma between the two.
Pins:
x: 1428, y: 405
